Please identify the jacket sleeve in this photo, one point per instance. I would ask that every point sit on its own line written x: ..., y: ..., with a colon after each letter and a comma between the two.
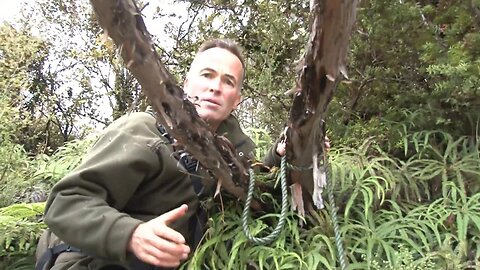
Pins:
x: 272, y: 159
x: 84, y: 208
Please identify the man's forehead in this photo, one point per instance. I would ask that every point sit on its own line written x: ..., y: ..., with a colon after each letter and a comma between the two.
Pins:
x: 214, y: 57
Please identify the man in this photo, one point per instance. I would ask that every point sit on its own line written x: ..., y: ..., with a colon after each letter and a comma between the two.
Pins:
x: 115, y: 209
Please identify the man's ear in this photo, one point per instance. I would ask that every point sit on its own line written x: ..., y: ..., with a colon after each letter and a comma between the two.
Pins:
x: 238, y: 101
x: 185, y: 83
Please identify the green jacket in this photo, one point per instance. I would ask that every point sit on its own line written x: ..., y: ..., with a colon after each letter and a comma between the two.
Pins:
x: 129, y: 176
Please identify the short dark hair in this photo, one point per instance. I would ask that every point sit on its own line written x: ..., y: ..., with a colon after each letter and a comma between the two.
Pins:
x: 228, y: 45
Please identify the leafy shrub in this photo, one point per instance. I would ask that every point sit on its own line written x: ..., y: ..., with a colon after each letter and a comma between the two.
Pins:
x: 20, y: 228
x: 261, y: 139
x: 32, y: 181
x: 21, y: 224
x: 51, y: 169
x: 422, y: 213
x: 419, y: 213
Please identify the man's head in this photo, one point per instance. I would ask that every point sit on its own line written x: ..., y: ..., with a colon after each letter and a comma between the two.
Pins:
x: 214, y: 80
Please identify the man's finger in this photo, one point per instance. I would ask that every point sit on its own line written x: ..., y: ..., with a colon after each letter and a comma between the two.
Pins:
x: 169, y: 234
x: 162, y: 262
x: 168, y: 249
x: 281, y: 148
x: 170, y: 241
x: 327, y: 143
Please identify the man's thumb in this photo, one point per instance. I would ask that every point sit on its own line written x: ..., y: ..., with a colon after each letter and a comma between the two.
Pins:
x: 174, y: 214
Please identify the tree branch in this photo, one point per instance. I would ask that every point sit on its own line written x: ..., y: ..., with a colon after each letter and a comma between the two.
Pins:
x: 123, y: 22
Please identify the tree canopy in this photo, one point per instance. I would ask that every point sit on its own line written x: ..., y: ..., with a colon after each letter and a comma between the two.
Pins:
x: 412, y: 65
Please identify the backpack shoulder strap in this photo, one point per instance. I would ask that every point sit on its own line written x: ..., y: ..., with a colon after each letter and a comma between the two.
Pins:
x: 50, y: 256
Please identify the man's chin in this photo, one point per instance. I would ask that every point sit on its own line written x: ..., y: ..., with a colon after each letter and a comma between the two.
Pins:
x: 212, y: 119
x: 208, y: 117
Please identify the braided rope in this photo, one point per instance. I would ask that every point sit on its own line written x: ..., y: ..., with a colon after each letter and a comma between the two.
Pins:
x: 336, y: 228
x: 283, y: 214
x: 276, y: 232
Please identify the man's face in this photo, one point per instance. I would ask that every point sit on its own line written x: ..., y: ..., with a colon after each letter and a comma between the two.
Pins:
x: 213, y: 84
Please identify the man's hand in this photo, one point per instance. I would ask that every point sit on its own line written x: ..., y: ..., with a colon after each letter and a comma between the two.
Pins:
x: 282, y: 145
x: 281, y: 148
x: 155, y: 243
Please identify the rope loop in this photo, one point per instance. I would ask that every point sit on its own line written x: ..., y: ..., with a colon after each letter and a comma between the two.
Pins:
x: 283, y: 214
x: 336, y: 225
x: 276, y: 232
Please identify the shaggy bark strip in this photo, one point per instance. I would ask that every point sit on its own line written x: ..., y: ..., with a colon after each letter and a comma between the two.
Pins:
x: 320, y: 71
x: 122, y: 21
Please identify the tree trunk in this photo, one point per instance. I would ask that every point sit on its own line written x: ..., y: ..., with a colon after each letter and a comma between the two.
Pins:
x: 320, y: 71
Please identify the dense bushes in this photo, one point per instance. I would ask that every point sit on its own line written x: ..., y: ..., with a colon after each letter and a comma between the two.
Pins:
x: 20, y: 216
x: 20, y: 228
x: 422, y: 213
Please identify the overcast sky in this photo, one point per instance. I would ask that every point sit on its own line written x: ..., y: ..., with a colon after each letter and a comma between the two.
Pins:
x: 10, y: 8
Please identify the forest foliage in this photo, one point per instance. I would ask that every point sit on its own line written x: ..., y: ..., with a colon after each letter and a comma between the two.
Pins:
x: 404, y: 126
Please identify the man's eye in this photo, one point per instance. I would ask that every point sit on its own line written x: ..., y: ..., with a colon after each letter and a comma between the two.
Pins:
x: 206, y: 75
x: 230, y: 83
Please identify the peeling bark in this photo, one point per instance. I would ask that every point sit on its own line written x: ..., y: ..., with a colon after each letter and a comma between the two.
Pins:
x: 321, y: 69
x: 122, y: 21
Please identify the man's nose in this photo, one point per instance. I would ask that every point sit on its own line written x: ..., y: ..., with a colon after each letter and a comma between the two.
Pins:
x: 215, y: 84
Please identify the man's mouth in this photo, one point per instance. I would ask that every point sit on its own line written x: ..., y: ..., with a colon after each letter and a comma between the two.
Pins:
x: 211, y: 101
